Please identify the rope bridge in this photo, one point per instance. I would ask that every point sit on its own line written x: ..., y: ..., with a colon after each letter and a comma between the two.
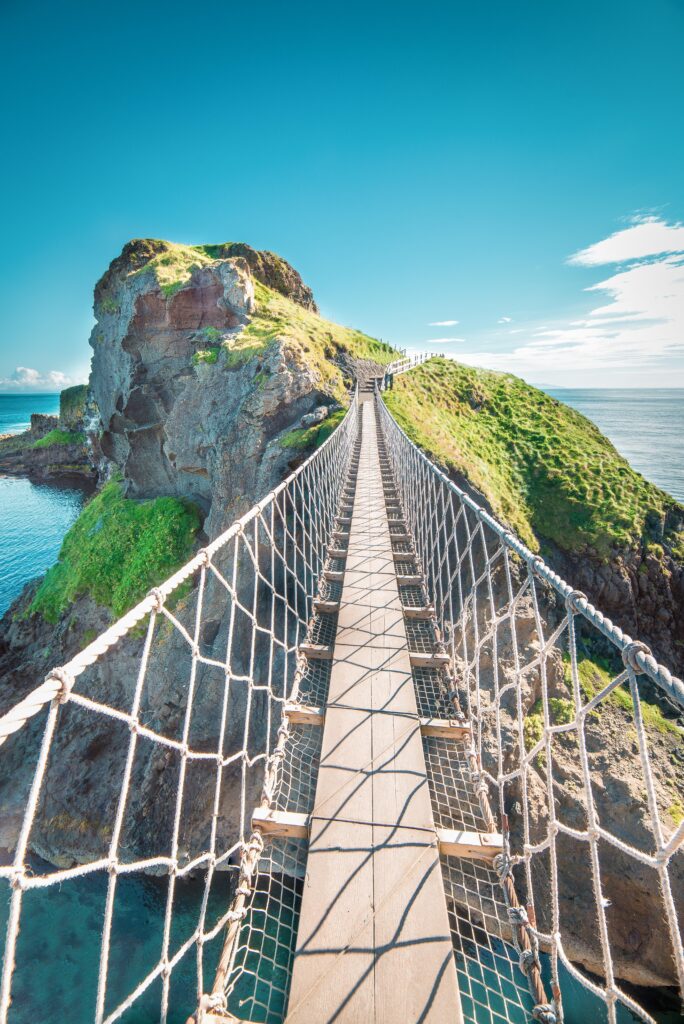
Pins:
x: 254, y: 617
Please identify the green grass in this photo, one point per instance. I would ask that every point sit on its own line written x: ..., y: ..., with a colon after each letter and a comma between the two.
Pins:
x: 304, y: 438
x: 116, y: 550
x: 310, y: 339
x: 545, y: 469
x: 595, y: 673
x: 72, y: 405
x: 59, y: 437
x: 206, y: 355
x: 173, y: 268
x: 561, y: 712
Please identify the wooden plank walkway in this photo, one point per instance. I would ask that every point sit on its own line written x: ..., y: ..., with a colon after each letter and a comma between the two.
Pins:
x: 373, y: 942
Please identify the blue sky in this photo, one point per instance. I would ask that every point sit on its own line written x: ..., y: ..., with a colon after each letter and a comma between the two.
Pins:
x: 417, y: 163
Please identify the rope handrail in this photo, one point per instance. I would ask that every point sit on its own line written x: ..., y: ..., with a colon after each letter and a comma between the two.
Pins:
x: 60, y: 679
x: 257, y: 583
x: 637, y: 654
x: 508, y: 637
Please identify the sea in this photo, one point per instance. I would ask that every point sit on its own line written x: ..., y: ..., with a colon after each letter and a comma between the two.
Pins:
x: 646, y: 425
x: 61, y: 934
x: 33, y: 516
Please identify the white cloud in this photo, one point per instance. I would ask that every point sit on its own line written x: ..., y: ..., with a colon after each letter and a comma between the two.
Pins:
x: 443, y: 323
x: 636, y: 330
x: 647, y: 236
x: 505, y: 320
x: 26, y: 379
x: 441, y: 341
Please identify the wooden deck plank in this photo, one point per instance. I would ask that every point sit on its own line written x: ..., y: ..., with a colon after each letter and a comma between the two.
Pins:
x: 373, y: 944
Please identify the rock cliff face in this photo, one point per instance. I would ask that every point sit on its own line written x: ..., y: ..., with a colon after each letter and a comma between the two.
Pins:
x: 211, y: 373
x: 641, y: 589
x: 183, y: 412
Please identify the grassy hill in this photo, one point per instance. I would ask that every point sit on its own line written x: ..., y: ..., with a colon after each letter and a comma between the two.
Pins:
x: 545, y: 469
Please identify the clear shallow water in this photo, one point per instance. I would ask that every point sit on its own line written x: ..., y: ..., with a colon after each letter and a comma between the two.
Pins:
x: 33, y: 517
x: 33, y: 521
x: 646, y: 425
x: 58, y: 950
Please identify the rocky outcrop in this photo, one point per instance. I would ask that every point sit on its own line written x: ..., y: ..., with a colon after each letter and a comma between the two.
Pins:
x: 641, y: 590
x: 42, y: 425
x: 271, y: 269
x: 48, y: 450
x: 171, y: 422
x: 174, y: 423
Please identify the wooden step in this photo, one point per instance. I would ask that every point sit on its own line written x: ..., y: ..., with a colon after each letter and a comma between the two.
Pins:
x: 413, y: 580
x: 426, y: 612
x: 449, y: 728
x: 322, y: 652
x: 287, y: 824
x: 469, y: 845
x: 436, y: 660
x: 304, y: 714
x: 404, y: 556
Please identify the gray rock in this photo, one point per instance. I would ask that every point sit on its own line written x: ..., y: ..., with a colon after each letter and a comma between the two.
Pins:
x: 310, y: 419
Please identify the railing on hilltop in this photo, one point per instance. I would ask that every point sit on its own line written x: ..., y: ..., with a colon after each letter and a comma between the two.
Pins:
x: 577, y: 834
x: 408, y: 363
x: 231, y: 648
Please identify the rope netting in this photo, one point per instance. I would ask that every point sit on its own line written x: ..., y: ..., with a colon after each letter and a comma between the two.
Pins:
x: 184, y: 701
x: 571, y: 757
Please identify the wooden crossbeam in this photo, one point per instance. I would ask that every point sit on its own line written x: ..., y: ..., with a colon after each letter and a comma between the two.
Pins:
x: 403, y: 556
x: 425, y: 612
x: 452, y: 842
x: 435, y: 660
x: 414, y: 580
x: 333, y: 575
x: 287, y: 824
x: 304, y: 714
x: 321, y: 651
x: 337, y: 552
x: 450, y: 728
x: 469, y: 845
x: 326, y: 607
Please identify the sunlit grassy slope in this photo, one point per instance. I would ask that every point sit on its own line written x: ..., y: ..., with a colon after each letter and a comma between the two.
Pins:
x: 545, y: 469
x: 317, y: 341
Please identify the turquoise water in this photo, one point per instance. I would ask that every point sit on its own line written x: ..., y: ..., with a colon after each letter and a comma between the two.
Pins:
x: 33, y: 517
x: 58, y: 951
x: 646, y: 425
x: 15, y: 410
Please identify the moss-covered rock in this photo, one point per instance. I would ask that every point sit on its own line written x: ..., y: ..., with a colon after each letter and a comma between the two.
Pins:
x: 72, y: 403
x: 116, y: 550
